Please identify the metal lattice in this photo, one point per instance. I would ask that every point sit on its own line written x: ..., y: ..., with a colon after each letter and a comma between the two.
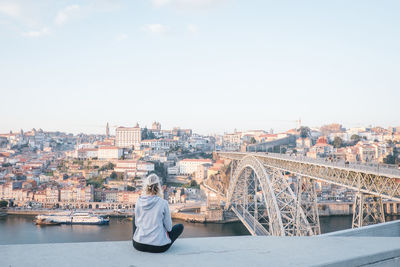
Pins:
x: 264, y: 202
x: 261, y: 197
x: 368, y: 209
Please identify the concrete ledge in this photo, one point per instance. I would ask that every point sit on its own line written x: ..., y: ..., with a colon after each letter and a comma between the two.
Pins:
x: 216, y: 251
x: 388, y: 229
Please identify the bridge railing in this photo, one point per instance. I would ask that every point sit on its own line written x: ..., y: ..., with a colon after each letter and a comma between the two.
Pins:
x: 368, y: 167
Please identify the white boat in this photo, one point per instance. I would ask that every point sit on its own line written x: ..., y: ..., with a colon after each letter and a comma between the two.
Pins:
x: 74, y: 218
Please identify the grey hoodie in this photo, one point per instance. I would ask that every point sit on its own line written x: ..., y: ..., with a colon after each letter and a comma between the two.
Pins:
x: 152, y: 220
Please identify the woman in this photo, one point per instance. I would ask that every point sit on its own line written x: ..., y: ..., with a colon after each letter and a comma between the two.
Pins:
x: 154, y: 231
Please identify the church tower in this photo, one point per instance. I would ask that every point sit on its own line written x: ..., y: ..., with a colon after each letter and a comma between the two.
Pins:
x: 107, y: 131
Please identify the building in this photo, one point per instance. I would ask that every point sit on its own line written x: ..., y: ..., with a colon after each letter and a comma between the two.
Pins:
x: 52, y: 195
x: 201, y: 172
x: 110, y: 152
x: 128, y: 167
x: 110, y: 195
x: 321, y: 148
x: 156, y: 126
x: 303, y: 142
x: 158, y: 144
x: 232, y: 141
x: 189, y: 166
x: 128, y: 137
x: 87, y: 153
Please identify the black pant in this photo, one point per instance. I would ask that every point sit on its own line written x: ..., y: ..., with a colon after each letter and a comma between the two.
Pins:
x: 176, y: 231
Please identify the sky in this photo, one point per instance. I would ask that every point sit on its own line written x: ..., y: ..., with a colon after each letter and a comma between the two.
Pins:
x: 210, y: 65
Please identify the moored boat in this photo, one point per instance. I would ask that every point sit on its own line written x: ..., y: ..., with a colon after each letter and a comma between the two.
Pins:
x: 74, y: 218
x: 46, y: 222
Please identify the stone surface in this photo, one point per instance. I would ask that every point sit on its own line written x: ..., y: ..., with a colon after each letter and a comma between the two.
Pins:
x: 215, y: 251
x: 389, y: 229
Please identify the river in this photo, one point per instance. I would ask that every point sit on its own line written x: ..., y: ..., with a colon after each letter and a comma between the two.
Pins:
x: 20, y: 229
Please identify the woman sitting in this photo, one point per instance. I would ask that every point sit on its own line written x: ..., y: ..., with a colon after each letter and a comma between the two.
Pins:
x: 154, y: 231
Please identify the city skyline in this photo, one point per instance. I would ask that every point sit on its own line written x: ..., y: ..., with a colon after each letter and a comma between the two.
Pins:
x: 112, y: 129
x: 211, y: 66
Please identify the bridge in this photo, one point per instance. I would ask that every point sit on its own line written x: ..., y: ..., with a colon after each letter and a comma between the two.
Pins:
x: 260, y: 194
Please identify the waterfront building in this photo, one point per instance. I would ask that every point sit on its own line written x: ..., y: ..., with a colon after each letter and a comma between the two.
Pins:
x: 128, y: 137
x: 110, y: 195
x: 52, y: 194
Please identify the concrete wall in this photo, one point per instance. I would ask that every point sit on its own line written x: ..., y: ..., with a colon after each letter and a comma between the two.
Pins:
x: 389, y: 229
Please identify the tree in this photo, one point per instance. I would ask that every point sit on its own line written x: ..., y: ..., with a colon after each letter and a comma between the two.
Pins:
x: 305, y: 132
x: 97, y: 182
x: 390, y: 159
x: 3, y: 204
x: 253, y: 140
x: 355, y: 138
x: 113, y: 175
x: 108, y: 166
x: 337, y: 142
x: 146, y: 134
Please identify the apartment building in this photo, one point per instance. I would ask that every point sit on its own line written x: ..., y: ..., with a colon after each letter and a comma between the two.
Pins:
x: 128, y: 137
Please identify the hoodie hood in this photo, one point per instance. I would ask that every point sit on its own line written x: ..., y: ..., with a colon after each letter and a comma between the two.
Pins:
x: 148, y: 202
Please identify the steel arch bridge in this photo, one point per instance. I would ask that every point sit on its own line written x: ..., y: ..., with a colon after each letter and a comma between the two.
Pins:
x: 260, y: 194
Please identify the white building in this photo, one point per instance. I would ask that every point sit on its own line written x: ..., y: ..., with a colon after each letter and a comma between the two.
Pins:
x: 128, y: 137
x: 145, y: 166
x: 129, y: 167
x: 111, y: 195
x: 189, y: 166
x: 158, y: 144
x: 110, y: 152
x: 87, y: 153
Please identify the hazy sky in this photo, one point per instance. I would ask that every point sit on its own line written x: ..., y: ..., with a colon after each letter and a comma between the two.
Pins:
x: 209, y: 65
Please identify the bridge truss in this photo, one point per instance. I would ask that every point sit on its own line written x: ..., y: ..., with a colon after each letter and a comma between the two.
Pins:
x: 261, y: 196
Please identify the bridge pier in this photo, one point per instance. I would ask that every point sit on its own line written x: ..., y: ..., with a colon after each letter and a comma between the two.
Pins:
x: 368, y: 209
x: 307, y: 201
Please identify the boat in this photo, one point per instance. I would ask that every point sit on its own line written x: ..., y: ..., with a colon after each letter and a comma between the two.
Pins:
x: 74, y: 218
x: 46, y: 222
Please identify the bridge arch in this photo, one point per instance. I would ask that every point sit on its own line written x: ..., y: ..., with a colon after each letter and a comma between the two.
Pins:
x: 264, y: 201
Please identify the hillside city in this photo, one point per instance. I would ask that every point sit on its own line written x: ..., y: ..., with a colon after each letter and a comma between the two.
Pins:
x: 49, y: 170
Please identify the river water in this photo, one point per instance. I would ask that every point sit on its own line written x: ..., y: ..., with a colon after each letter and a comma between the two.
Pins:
x: 20, y: 229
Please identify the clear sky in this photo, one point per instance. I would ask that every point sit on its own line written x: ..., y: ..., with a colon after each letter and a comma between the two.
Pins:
x: 209, y: 65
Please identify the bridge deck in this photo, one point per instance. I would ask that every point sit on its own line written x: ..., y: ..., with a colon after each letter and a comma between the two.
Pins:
x: 216, y: 251
x: 391, y: 171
